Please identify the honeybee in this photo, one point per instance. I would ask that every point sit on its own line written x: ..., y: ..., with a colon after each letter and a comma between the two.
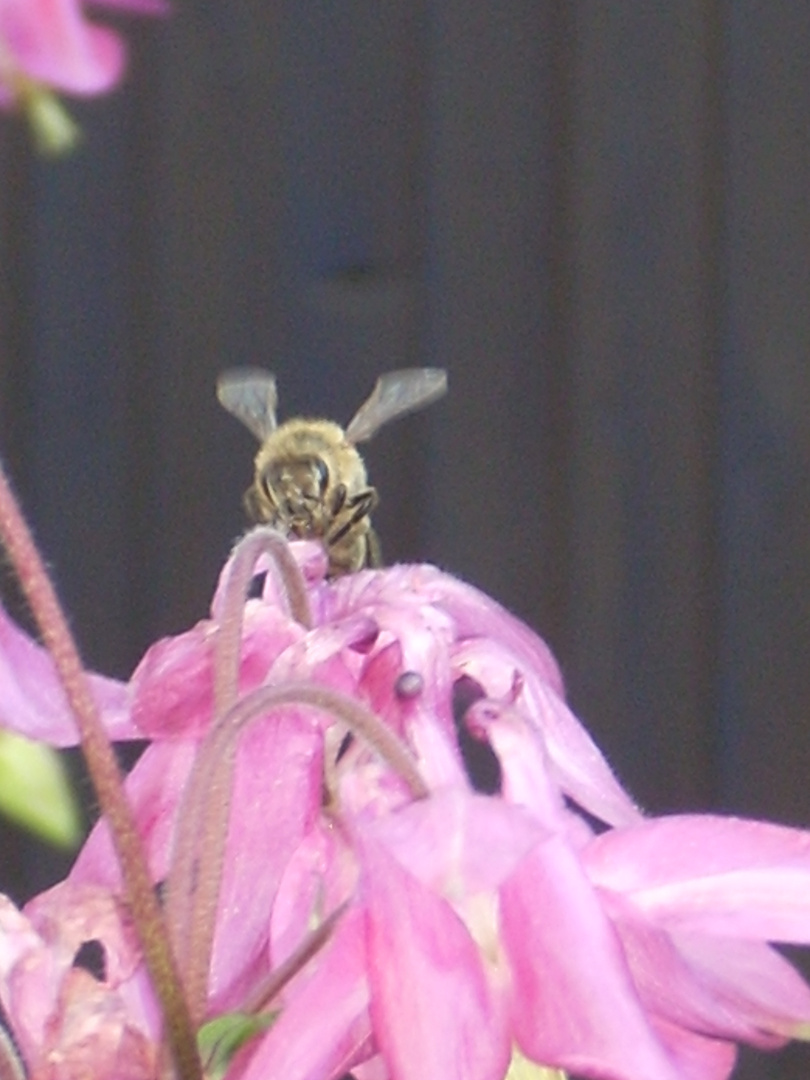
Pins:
x: 310, y: 482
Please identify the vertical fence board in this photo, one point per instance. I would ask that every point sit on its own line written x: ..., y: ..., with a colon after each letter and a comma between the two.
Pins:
x: 642, y: 614
x: 766, y: 644
x: 488, y: 294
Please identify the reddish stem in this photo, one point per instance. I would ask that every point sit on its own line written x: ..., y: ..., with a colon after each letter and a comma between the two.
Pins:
x: 107, y: 781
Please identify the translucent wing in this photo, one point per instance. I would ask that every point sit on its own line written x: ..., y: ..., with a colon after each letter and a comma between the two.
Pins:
x: 250, y: 394
x: 395, y: 394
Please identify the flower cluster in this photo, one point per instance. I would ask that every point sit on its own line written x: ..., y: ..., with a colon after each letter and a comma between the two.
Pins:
x: 377, y: 824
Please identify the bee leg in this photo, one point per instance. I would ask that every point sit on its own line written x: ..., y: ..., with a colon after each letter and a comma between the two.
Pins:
x: 338, y: 500
x: 354, y: 510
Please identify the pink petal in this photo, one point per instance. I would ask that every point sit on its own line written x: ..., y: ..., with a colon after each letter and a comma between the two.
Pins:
x: 276, y: 798
x: 154, y: 788
x: 323, y: 1030
x: 26, y: 1003
x: 319, y: 877
x: 172, y: 687
x: 435, y: 749
x: 457, y: 843
x: 522, y: 755
x: 735, y: 990
x: 33, y: 703
x: 573, y: 1002
x: 726, y: 876
x: 70, y: 914
x: 433, y: 1009
x: 51, y: 42
x: 575, y: 762
x: 697, y: 1057
x: 91, y: 1033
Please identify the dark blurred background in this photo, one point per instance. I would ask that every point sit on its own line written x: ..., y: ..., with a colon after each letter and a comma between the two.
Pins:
x: 595, y: 215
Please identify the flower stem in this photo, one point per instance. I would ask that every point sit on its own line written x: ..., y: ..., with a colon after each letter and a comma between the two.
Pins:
x: 259, y: 541
x: 107, y: 781
x: 199, y: 854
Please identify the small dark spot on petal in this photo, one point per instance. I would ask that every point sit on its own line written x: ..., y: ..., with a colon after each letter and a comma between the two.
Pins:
x: 92, y: 959
x: 410, y: 684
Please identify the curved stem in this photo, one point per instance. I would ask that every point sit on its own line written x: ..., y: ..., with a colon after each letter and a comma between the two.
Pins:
x: 107, y: 781
x: 262, y: 540
x: 259, y: 541
x: 194, y: 879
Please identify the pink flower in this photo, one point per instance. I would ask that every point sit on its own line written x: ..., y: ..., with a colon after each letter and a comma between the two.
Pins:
x: 69, y: 1021
x: 391, y: 752
x: 52, y: 43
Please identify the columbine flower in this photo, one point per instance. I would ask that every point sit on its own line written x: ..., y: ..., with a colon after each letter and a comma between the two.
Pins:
x: 69, y: 1021
x: 50, y: 45
x: 332, y: 852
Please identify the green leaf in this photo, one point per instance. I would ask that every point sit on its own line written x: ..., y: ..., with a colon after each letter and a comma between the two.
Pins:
x: 54, y: 129
x: 35, y: 791
x: 221, y: 1037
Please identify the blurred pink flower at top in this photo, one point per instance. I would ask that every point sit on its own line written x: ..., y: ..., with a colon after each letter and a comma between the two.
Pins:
x: 52, y: 43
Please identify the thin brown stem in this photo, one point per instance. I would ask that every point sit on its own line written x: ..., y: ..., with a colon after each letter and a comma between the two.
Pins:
x: 263, y: 996
x: 107, y: 781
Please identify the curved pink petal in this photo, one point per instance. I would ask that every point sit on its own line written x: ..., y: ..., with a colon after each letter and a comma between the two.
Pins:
x: 154, y: 788
x: 473, y: 614
x: 173, y: 685
x: 433, y: 1009
x: 324, y: 1030
x: 275, y: 801
x: 33, y: 703
x: 92, y: 1033
x: 522, y: 755
x: 22, y: 947
x: 696, y: 1056
x: 60, y: 1013
x: 574, y: 760
x: 735, y: 990
x: 52, y: 42
x: 574, y: 1005
x: 727, y: 876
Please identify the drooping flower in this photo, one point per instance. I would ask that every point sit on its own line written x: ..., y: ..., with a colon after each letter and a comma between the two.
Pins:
x: 51, y: 45
x: 312, y: 758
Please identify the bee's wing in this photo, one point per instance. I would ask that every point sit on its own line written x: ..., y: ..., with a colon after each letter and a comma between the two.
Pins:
x: 250, y: 394
x: 395, y: 394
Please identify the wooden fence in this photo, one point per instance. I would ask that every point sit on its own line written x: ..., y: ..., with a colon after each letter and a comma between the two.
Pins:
x: 595, y: 215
